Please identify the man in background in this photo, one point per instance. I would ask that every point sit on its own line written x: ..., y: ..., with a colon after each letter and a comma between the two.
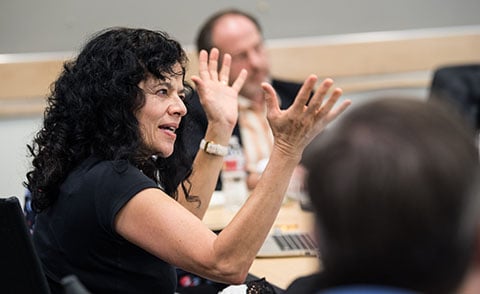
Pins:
x: 240, y: 34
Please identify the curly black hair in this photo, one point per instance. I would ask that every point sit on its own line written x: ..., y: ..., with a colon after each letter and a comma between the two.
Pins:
x: 91, y: 112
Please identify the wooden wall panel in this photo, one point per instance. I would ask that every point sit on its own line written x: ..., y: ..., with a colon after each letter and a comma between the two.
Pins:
x: 356, y: 65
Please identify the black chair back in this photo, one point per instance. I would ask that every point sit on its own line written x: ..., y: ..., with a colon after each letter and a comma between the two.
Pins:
x: 459, y: 85
x: 20, y: 266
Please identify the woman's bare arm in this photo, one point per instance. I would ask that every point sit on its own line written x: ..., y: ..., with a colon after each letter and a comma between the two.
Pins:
x: 162, y: 226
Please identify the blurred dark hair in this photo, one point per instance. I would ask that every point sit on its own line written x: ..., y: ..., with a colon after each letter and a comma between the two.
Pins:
x: 91, y: 112
x: 390, y: 184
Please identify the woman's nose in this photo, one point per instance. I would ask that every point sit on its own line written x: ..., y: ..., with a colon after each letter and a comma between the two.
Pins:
x: 178, y: 107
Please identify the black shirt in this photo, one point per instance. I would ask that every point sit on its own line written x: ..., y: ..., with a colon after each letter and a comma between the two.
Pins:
x: 77, y: 236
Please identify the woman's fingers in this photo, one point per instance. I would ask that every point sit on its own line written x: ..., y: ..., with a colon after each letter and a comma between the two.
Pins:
x: 202, y: 63
x: 240, y: 80
x: 305, y: 92
x: 208, y: 65
x: 322, y: 108
x: 225, y: 70
x: 271, y: 99
x: 318, y: 97
x: 209, y: 71
x: 213, y: 64
x: 335, y: 112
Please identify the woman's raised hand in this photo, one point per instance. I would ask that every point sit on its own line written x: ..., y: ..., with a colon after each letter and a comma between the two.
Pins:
x: 296, y: 126
x: 218, y: 98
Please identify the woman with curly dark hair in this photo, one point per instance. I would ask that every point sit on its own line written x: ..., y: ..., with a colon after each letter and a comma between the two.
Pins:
x: 119, y: 203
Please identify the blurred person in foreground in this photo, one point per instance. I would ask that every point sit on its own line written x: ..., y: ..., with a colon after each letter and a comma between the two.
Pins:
x: 394, y: 187
x: 112, y: 209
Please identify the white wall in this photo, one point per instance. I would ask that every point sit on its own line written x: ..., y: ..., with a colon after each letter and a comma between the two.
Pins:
x: 15, y: 134
x: 62, y: 25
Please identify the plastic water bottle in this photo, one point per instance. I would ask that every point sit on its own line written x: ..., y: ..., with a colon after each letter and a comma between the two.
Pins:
x: 234, y: 176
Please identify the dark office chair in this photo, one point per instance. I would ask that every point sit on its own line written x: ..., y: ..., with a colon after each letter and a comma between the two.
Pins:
x: 459, y: 85
x: 20, y: 266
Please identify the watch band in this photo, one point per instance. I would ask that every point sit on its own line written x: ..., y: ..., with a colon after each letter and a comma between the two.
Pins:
x: 211, y: 148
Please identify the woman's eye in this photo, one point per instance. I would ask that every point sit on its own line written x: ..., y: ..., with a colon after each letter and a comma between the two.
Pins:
x: 162, y: 92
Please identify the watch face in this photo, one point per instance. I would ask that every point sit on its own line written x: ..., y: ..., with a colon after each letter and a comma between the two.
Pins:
x: 213, y: 148
x: 210, y: 148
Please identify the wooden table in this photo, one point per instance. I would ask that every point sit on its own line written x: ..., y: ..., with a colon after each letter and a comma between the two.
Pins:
x: 278, y: 271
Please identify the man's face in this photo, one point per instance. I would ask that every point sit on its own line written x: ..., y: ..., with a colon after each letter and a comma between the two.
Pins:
x: 238, y: 36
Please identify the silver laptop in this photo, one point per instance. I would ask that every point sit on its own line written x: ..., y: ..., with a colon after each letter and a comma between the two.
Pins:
x: 285, y: 244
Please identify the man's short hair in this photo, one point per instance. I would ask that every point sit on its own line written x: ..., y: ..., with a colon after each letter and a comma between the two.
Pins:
x: 204, y: 39
x: 390, y: 184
